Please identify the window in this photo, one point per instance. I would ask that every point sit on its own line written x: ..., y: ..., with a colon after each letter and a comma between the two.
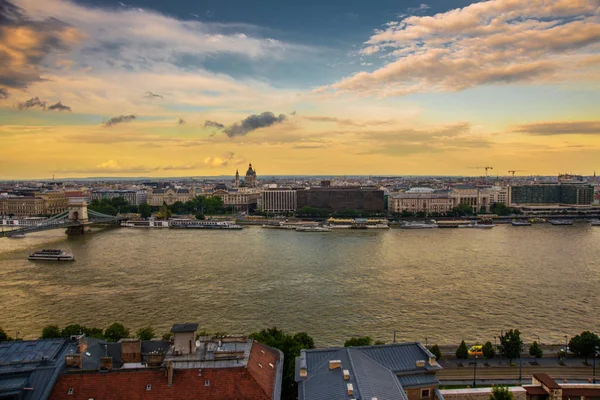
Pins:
x: 425, y: 393
x: 207, y: 383
x: 70, y: 391
x: 148, y: 388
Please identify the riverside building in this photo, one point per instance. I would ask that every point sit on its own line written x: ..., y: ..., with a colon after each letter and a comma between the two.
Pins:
x: 361, y: 198
x: 277, y: 201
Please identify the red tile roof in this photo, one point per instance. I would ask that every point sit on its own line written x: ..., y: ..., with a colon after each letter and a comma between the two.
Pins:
x: 209, y: 384
x: 546, y: 381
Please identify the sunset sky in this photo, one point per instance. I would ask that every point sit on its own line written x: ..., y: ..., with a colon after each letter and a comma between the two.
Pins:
x: 197, y: 88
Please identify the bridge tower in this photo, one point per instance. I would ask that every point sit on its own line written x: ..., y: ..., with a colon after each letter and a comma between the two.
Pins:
x: 77, y: 214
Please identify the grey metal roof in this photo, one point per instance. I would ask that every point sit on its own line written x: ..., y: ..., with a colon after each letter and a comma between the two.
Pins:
x: 33, y: 364
x: 418, y: 380
x: 188, y: 327
x: 375, y: 371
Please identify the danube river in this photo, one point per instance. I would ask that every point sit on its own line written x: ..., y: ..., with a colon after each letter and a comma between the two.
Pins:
x: 441, y: 284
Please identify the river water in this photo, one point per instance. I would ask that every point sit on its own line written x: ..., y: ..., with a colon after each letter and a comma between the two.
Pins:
x: 441, y: 284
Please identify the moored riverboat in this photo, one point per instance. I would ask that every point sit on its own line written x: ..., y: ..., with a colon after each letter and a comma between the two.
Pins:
x: 561, y: 221
x: 194, y: 224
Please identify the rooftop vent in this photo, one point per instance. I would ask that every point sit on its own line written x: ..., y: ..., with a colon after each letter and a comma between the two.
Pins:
x: 333, y: 364
x: 350, y: 389
x: 432, y: 361
x: 346, y: 375
x: 420, y: 363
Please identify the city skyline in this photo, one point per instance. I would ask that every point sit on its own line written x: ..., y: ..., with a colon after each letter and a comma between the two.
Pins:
x: 96, y: 88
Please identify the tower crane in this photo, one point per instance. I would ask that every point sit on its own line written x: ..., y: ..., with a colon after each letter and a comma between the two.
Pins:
x: 513, y: 172
x: 486, y: 169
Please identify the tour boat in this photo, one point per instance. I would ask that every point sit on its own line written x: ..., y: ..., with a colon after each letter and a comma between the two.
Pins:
x: 417, y: 225
x: 193, y: 224
x: 520, y: 223
x: 561, y: 221
x: 51, y: 255
x: 312, y: 229
x: 481, y: 226
x: 595, y: 222
x: 280, y: 225
x: 17, y: 236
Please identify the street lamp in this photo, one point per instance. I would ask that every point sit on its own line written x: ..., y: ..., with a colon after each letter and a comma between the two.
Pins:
x: 474, y: 363
x: 595, y: 354
x: 566, y: 345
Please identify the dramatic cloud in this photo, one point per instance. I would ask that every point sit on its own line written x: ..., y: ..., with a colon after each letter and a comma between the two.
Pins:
x: 219, y: 161
x: 32, y: 103
x: 59, y: 107
x: 110, y: 167
x: 559, y: 128
x: 3, y: 94
x: 180, y: 121
x: 25, y: 43
x: 119, y: 120
x: 152, y: 95
x: 213, y: 124
x: 253, y: 122
x: 489, y: 42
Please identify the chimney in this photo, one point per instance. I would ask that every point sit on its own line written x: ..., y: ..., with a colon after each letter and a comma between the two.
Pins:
x: 303, y: 370
x: 154, y: 359
x: 420, y: 363
x: 346, y: 375
x: 350, y: 389
x: 106, y: 363
x: 131, y: 350
x: 82, y: 344
x: 170, y: 373
x: 432, y: 361
x: 333, y: 364
x: 73, y: 360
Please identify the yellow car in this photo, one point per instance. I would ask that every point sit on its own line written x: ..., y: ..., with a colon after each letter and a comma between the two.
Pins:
x: 476, y: 350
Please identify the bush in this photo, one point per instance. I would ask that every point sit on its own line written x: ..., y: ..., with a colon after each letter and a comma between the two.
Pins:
x: 3, y: 335
x: 51, y: 332
x: 585, y: 344
x: 501, y: 393
x: 359, y: 341
x: 462, y: 353
x: 146, y: 333
x: 70, y: 330
x: 488, y: 350
x: 116, y: 332
x: 536, y: 351
x: 93, y: 332
x: 435, y: 350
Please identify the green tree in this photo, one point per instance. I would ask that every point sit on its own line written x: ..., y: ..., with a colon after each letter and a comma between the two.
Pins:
x: 501, y: 209
x: 290, y: 346
x: 584, y: 345
x: 3, y: 336
x: 304, y: 340
x: 536, y: 351
x: 511, y: 345
x: 164, y: 213
x: 501, y: 393
x: 144, y: 210
x: 213, y: 205
x: 51, y: 332
x: 462, y: 353
x: 167, y: 336
x: 407, y: 214
x: 378, y: 342
x: 358, y: 341
x: 435, y: 350
x: 488, y: 350
x: 70, y: 330
x: 146, y: 333
x: 116, y: 332
x: 462, y: 210
x: 93, y: 332
x: 200, y: 216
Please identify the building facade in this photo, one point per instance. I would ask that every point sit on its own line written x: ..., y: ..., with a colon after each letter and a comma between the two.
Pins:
x: 156, y: 197
x: 131, y: 196
x: 250, y: 180
x: 565, y: 194
x: 242, y: 200
x: 365, y: 199
x: 277, y: 200
x: 48, y: 203
x: 420, y: 202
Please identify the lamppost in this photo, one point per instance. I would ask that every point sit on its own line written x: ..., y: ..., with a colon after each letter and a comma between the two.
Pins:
x: 566, y: 345
x: 474, y: 363
x: 595, y: 354
x: 425, y: 342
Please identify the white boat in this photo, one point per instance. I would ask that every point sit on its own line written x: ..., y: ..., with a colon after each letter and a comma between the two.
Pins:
x: 149, y: 223
x: 338, y: 226
x: 194, y: 224
x: 17, y: 236
x: 378, y: 226
x: 417, y: 225
x: 280, y: 225
x: 481, y: 226
x: 561, y: 221
x: 51, y: 255
x: 520, y: 223
x: 595, y: 222
x: 312, y: 229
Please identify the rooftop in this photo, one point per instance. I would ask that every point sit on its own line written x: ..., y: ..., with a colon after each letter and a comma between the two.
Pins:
x: 374, y: 371
x: 187, y: 327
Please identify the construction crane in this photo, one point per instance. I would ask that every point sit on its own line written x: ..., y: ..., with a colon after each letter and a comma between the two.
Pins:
x: 514, y: 170
x: 486, y: 169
